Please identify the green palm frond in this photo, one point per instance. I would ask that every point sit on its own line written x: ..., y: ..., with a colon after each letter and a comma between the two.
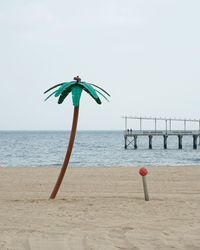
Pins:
x: 99, y: 88
x: 63, y: 95
x: 91, y: 91
x: 76, y: 88
x: 50, y: 95
x: 102, y: 95
x: 76, y: 94
x: 63, y: 87
x: 53, y: 87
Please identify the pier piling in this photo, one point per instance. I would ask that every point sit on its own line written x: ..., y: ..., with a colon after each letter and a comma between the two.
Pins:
x: 195, y: 141
x: 180, y: 142
x: 125, y: 141
x: 165, y: 141
x: 135, y: 141
x: 150, y: 141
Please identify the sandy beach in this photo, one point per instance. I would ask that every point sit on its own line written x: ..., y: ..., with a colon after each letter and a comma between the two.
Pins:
x: 100, y: 208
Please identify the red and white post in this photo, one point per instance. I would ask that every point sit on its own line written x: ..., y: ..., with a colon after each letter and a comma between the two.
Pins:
x: 143, y: 172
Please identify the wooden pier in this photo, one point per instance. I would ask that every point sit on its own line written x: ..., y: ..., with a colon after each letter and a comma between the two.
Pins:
x: 131, y: 135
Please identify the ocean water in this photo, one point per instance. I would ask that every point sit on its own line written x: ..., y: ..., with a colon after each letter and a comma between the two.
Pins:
x: 91, y: 148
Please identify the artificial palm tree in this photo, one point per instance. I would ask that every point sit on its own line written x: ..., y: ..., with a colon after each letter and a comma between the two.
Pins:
x: 76, y: 87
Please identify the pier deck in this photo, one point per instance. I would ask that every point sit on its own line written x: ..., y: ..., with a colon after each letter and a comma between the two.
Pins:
x: 161, y: 132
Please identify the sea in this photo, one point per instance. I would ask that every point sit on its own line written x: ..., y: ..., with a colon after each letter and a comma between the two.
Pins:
x: 91, y: 149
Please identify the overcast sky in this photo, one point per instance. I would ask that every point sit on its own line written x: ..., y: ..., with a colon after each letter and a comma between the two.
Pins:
x: 146, y: 54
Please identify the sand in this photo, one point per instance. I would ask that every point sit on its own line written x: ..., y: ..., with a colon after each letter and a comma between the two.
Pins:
x: 100, y: 208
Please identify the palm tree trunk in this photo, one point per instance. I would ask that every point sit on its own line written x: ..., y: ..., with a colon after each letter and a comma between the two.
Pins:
x: 68, y: 154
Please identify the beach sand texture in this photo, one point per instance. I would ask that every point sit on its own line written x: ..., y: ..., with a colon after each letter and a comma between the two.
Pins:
x: 100, y: 208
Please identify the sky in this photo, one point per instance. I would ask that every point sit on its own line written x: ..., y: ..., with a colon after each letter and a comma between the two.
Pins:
x: 145, y: 53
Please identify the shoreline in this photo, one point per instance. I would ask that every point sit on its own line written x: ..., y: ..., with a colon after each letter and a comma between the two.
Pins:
x: 106, y: 167
x: 100, y: 208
